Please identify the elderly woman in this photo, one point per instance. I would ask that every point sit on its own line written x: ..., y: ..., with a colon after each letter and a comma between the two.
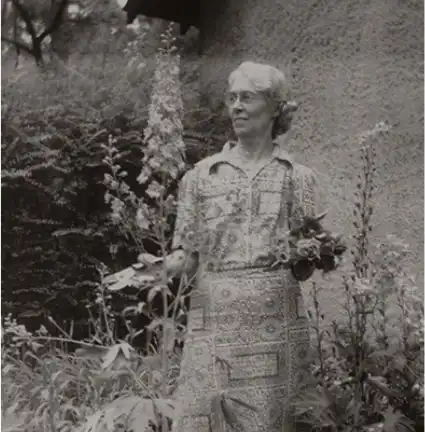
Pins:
x: 248, y: 339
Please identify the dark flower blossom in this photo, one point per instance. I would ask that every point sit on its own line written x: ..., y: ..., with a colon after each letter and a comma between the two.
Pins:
x: 311, y: 247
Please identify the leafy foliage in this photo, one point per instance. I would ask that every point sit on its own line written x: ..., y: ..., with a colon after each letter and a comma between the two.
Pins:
x: 96, y: 389
x: 369, y: 369
x: 107, y: 383
x: 56, y: 228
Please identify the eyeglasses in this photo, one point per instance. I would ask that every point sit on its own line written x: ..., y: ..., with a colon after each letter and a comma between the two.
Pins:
x: 245, y: 97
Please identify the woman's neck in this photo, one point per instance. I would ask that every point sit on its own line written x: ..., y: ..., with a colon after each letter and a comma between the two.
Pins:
x: 255, y: 149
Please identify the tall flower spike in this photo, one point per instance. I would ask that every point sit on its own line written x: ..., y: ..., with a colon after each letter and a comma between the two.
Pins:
x: 363, y: 206
x: 164, y: 152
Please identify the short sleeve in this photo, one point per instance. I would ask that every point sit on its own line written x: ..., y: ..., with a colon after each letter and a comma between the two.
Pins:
x: 312, y: 195
x: 318, y: 198
x: 186, y: 229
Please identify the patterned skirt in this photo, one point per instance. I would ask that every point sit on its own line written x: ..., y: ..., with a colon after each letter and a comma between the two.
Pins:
x: 246, y: 350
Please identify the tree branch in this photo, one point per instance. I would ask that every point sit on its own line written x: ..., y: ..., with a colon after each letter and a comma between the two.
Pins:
x: 56, y: 20
x: 26, y: 18
x: 3, y: 11
x: 15, y: 34
x: 18, y: 44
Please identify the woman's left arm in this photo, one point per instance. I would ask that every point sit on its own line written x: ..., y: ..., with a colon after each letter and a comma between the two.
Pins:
x: 312, y: 202
x: 319, y: 205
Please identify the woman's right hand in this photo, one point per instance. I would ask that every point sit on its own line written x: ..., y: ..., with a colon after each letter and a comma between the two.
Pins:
x: 176, y: 263
x: 179, y: 262
x: 150, y: 270
x: 149, y: 266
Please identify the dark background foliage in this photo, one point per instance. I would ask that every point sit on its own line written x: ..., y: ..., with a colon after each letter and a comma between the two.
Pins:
x: 56, y: 114
x: 55, y: 223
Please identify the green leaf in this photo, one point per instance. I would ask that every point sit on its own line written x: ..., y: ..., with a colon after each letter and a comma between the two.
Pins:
x: 119, y: 280
x: 126, y: 349
x: 8, y: 368
x: 166, y: 407
x: 399, y: 363
x: 129, y: 277
x: 153, y: 292
x: 110, y: 356
x: 13, y: 422
x: 313, y: 406
x: 377, y: 383
x: 397, y: 422
x: 92, y: 422
x: 149, y: 259
x: 154, y: 324
x: 135, y: 412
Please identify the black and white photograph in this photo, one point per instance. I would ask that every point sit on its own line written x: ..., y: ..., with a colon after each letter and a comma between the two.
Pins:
x: 212, y: 216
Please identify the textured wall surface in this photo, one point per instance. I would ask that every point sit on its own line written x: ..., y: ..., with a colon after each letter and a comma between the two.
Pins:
x: 352, y: 64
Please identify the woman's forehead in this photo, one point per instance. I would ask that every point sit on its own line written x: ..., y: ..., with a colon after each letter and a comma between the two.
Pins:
x: 240, y: 83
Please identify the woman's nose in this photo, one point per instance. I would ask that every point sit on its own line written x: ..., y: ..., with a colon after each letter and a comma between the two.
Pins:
x: 237, y: 105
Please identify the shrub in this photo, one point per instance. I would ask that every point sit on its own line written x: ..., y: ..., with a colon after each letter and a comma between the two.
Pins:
x: 56, y: 228
x: 55, y: 225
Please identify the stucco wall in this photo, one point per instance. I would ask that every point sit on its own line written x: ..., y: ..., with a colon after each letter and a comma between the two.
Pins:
x: 352, y: 64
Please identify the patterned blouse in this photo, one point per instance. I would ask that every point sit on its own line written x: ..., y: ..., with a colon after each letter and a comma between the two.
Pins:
x: 233, y: 220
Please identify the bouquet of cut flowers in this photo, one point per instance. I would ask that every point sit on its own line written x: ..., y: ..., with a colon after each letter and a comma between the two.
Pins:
x: 311, y: 247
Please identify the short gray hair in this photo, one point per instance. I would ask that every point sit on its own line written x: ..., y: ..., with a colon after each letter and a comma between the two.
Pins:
x: 272, y: 82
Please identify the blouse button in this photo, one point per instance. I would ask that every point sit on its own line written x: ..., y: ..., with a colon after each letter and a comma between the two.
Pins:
x: 269, y: 302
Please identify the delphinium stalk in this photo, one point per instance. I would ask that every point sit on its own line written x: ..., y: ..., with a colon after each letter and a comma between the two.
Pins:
x: 162, y: 164
x: 164, y: 160
x: 364, y: 301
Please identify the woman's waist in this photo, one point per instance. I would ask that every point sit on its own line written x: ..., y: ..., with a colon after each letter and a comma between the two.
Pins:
x: 227, y: 269
x: 214, y: 264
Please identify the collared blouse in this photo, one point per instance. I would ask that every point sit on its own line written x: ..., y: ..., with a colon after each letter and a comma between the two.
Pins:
x: 233, y: 218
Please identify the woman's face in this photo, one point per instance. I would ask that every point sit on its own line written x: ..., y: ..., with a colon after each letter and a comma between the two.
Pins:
x: 252, y: 114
